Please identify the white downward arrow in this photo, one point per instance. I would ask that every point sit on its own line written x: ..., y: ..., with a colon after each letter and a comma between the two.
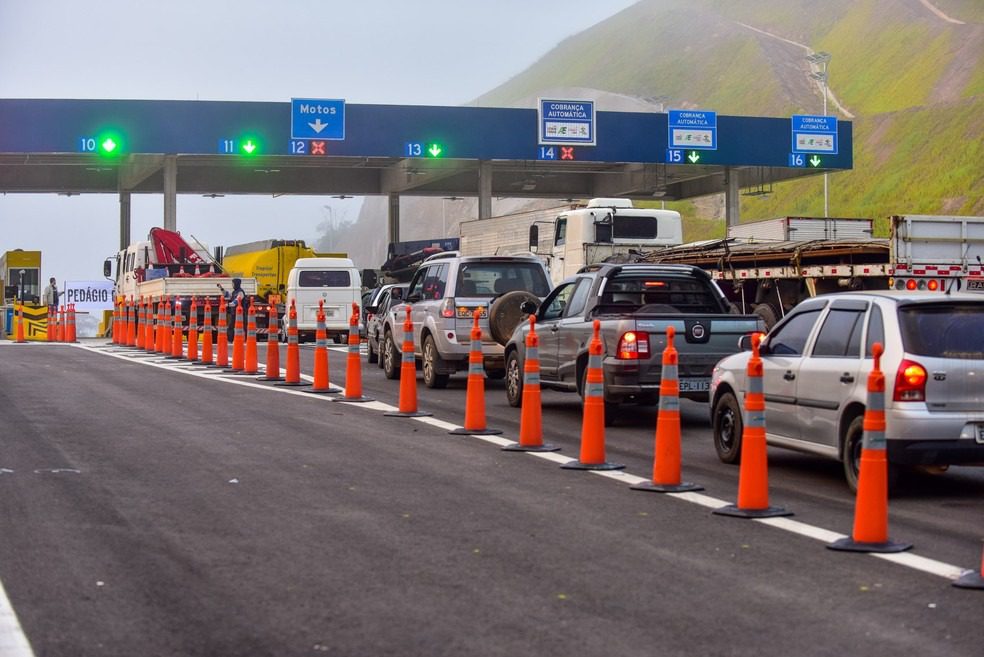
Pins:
x: 318, y: 126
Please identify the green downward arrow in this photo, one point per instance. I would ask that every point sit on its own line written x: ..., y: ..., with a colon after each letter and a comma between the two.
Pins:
x: 815, y: 161
x: 434, y: 150
x: 249, y: 147
x: 109, y: 145
x: 693, y: 157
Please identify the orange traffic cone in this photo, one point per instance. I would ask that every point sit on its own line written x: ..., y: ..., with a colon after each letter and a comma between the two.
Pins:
x: 20, y: 324
x: 149, y: 325
x: 971, y: 579
x: 193, y: 330
x: 141, y: 324
x: 116, y: 320
x: 408, y: 376
x: 52, y: 321
x: 250, y: 361
x: 531, y: 415
x: 163, y: 325
x: 207, y: 355
x: 61, y: 325
x: 753, y: 478
x: 475, y: 393
x: 321, y: 385
x: 666, y: 459
x: 870, y: 532
x: 238, y: 342
x: 353, y: 364
x: 177, y: 331
x: 293, y: 377
x: 72, y: 335
x: 131, y: 323
x: 222, y: 337
x: 273, y: 347
x: 592, y: 455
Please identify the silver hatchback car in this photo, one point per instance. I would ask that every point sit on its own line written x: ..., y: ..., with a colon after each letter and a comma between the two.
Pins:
x: 815, y: 367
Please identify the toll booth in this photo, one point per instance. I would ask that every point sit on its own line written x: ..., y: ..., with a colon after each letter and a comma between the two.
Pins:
x: 20, y: 282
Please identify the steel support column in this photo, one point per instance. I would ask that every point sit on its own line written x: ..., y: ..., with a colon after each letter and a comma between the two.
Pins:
x: 484, y: 189
x: 124, y: 220
x: 171, y: 192
x: 393, y: 229
x: 732, y: 198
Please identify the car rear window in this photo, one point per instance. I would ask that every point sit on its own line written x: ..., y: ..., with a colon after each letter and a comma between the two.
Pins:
x: 658, y: 294
x: 324, y: 278
x: 488, y: 279
x: 943, y: 330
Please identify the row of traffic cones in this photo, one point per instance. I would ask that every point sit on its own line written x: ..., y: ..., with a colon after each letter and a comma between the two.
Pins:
x: 61, y: 326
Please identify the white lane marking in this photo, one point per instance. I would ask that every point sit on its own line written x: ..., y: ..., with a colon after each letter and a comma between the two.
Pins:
x: 13, y: 641
x: 908, y: 559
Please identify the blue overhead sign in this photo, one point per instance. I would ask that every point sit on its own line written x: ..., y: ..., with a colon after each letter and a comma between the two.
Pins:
x: 692, y: 129
x: 316, y: 118
x: 569, y: 122
x: 814, y: 134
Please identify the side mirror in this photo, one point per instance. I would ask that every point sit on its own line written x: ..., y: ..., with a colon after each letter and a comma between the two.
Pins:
x: 370, y: 309
x: 534, y: 238
x: 745, y: 343
x: 413, y: 298
x: 528, y: 307
x: 107, y: 268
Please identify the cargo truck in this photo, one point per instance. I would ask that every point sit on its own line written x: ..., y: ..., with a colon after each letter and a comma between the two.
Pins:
x: 572, y: 236
x: 768, y: 267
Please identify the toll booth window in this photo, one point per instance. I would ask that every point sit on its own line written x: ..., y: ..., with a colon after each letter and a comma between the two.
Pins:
x: 560, y: 234
x: 324, y: 278
x: 29, y: 289
x: 635, y: 228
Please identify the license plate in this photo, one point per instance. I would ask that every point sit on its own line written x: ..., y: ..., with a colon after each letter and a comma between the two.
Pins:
x: 976, y: 285
x: 695, y: 385
x: 330, y: 312
x: 465, y: 312
x: 980, y: 433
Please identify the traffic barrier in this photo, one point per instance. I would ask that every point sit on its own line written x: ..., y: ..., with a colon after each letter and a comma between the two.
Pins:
x: 71, y: 335
x: 251, y: 364
x: 475, y: 392
x: 177, y: 331
x: 164, y: 327
x: 273, y: 346
x: 870, y: 533
x: 753, y: 477
x: 222, y: 337
x: 408, y: 376
x: 592, y: 456
x: 353, y: 363
x: 666, y: 455
x: 207, y: 355
x: 971, y: 579
x: 20, y: 324
x: 293, y: 377
x: 193, y: 330
x: 131, y: 323
x: 531, y: 413
x: 238, y: 342
x: 321, y: 385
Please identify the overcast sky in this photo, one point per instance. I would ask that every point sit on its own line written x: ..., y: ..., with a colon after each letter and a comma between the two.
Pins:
x: 420, y: 52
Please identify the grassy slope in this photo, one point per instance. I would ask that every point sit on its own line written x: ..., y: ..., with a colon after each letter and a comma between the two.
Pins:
x: 911, y: 156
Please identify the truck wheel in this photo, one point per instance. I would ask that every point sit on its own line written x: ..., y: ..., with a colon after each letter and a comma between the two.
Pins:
x: 611, y: 408
x: 726, y: 426
x: 768, y: 314
x: 391, y: 357
x: 505, y: 315
x: 432, y: 360
x: 514, y: 380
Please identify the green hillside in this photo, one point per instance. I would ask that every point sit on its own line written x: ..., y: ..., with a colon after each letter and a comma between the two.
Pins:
x: 912, y: 78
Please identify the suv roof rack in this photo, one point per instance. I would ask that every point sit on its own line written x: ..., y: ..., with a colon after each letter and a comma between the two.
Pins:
x: 442, y: 256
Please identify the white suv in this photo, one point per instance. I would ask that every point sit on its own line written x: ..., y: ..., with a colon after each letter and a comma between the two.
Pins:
x: 815, y: 367
x: 444, y: 294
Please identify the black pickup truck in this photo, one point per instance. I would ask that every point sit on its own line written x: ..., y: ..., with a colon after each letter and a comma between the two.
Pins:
x: 635, y: 304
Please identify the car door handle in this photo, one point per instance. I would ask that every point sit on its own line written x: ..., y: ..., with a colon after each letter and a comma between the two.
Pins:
x: 789, y: 376
x: 847, y: 378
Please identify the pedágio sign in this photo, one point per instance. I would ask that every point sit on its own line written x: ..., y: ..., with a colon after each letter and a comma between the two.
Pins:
x: 88, y: 295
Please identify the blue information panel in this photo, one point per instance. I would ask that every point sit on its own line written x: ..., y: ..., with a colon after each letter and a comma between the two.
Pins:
x: 690, y: 129
x: 569, y: 122
x: 814, y: 134
x: 314, y: 118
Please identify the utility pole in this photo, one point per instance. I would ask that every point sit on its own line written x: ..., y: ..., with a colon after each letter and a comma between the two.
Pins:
x: 822, y: 59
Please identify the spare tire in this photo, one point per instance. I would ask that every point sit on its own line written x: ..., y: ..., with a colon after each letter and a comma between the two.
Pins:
x: 505, y: 315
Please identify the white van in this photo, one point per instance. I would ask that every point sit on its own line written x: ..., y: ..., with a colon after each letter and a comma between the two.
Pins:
x: 334, y: 280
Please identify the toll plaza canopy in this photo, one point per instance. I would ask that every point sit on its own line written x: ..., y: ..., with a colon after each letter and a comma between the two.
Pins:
x: 326, y: 147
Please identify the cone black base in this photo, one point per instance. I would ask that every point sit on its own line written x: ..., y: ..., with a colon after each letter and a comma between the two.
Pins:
x: 354, y: 400
x: 682, y: 487
x: 969, y: 580
x: 545, y: 447
x: 768, y: 512
x: 407, y: 414
x: 323, y: 391
x: 462, y: 431
x: 850, y: 545
x: 577, y: 465
x: 269, y: 378
x: 295, y: 384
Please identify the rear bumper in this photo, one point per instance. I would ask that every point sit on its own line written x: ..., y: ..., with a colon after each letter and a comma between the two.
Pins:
x: 936, y: 452
x: 918, y: 437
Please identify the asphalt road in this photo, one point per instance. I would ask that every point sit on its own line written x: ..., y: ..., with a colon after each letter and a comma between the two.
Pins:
x: 151, y: 510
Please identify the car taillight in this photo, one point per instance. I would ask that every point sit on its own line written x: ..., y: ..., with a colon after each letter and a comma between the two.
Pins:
x: 633, y: 346
x: 910, y: 382
x: 447, y: 308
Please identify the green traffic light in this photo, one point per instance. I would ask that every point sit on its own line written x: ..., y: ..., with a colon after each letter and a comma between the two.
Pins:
x: 249, y: 146
x: 435, y: 150
x: 815, y: 161
x: 109, y: 144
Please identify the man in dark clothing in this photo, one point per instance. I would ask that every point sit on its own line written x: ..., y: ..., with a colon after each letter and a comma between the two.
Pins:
x: 234, y: 298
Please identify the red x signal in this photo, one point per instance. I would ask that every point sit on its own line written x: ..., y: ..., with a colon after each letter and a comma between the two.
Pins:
x: 567, y: 152
x: 318, y: 148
